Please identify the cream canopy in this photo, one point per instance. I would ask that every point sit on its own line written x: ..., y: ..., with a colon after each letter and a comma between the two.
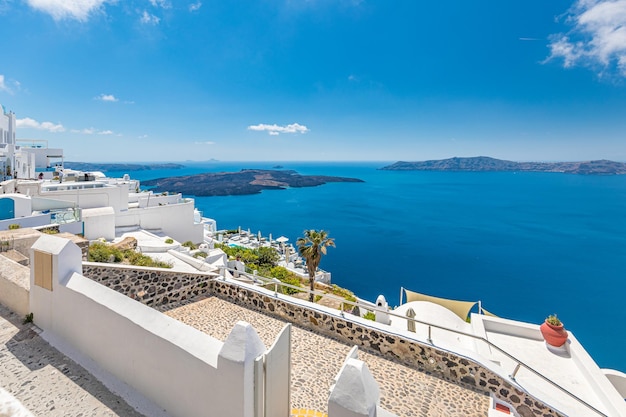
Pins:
x: 460, y: 308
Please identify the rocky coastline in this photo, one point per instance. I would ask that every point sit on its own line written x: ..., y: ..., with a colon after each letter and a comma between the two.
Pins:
x: 246, y: 181
x: 484, y: 163
x: 104, y: 167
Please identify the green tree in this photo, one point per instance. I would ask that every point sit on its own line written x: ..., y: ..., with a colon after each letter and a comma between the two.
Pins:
x: 312, y: 247
x: 267, y: 257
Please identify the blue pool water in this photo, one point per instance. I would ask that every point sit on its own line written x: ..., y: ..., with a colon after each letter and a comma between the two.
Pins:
x: 526, y: 244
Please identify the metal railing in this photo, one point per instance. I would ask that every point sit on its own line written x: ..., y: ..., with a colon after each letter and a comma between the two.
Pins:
x: 264, y: 282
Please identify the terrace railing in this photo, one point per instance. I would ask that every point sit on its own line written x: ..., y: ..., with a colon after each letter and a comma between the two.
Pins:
x: 346, y: 305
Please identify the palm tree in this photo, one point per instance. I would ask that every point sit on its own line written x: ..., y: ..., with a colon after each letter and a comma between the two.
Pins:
x: 312, y: 246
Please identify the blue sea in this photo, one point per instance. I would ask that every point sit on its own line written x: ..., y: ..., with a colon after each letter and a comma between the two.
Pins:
x: 526, y: 244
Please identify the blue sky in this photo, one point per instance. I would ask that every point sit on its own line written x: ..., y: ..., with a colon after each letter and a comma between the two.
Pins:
x: 161, y: 80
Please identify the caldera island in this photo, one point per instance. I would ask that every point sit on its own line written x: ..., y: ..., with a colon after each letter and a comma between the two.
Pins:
x: 246, y: 181
x: 485, y: 163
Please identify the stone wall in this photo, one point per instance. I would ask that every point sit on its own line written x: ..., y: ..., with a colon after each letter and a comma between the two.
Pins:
x: 160, y: 288
x: 157, y: 288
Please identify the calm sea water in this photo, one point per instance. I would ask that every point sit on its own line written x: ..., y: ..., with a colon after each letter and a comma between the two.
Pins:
x: 526, y: 244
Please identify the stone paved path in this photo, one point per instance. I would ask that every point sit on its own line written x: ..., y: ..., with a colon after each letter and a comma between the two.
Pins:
x: 45, y: 381
x: 317, y: 359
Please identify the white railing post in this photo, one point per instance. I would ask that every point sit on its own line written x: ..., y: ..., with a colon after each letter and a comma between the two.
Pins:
x: 512, y: 376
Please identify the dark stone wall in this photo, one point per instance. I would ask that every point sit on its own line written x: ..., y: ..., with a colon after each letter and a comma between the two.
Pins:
x: 157, y: 288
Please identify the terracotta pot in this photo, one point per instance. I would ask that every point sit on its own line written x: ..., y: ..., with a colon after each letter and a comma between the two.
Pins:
x: 554, y: 335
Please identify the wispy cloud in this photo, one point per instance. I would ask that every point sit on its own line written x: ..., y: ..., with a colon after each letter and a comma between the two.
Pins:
x: 63, y: 9
x: 92, y: 131
x: 27, y: 122
x: 208, y: 142
x: 597, y: 39
x: 275, y: 129
x: 195, y: 6
x: 149, y: 19
x: 9, y: 86
x: 3, y: 86
x: 107, y: 97
x: 529, y: 39
x: 164, y: 4
x: 142, y: 136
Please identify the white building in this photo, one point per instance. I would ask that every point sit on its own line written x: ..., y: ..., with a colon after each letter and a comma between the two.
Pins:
x: 27, y: 160
x: 7, y: 144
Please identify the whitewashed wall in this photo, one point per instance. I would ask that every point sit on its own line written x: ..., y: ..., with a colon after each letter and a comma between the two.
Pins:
x: 180, y: 369
x: 99, y: 222
x: 175, y: 220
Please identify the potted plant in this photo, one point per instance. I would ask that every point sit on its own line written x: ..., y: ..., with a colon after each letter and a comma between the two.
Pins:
x: 553, y: 331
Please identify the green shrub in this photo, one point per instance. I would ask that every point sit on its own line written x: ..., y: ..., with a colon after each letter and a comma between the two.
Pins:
x: 14, y: 226
x: 343, y: 293
x: 189, y: 244
x: 169, y: 240
x: 100, y: 252
x: 283, y: 275
x: 28, y: 318
x: 266, y: 256
x: 369, y: 316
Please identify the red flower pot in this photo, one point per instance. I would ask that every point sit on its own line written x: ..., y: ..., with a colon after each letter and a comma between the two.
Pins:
x: 554, y: 335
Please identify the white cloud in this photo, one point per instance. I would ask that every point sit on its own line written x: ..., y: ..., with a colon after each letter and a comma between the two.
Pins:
x: 597, y: 39
x: 142, y: 137
x: 107, y: 97
x: 3, y: 86
x: 67, y: 9
x: 88, y: 131
x: 92, y: 131
x: 164, y: 4
x: 149, y: 19
x: 195, y: 6
x: 276, y: 130
x: 208, y: 142
x: 27, y: 122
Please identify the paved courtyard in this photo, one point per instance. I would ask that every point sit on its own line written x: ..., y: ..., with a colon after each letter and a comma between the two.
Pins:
x: 50, y: 384
x: 47, y: 382
x: 317, y: 359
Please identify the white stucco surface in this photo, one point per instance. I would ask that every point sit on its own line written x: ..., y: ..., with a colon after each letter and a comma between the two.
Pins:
x: 99, y: 222
x: 569, y: 367
x: 182, y: 370
x: 14, y: 285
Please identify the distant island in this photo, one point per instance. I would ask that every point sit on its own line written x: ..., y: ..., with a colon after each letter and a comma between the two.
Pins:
x: 484, y: 163
x: 104, y: 167
x: 246, y: 181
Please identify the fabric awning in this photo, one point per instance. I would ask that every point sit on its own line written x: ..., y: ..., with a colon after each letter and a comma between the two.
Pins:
x: 460, y: 308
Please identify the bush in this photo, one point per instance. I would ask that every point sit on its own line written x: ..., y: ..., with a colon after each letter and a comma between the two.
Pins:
x: 169, y: 241
x: 28, y: 318
x: 369, y: 316
x: 189, y: 244
x: 283, y: 275
x: 342, y: 292
x: 14, y: 226
x: 267, y: 256
x: 101, y: 252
